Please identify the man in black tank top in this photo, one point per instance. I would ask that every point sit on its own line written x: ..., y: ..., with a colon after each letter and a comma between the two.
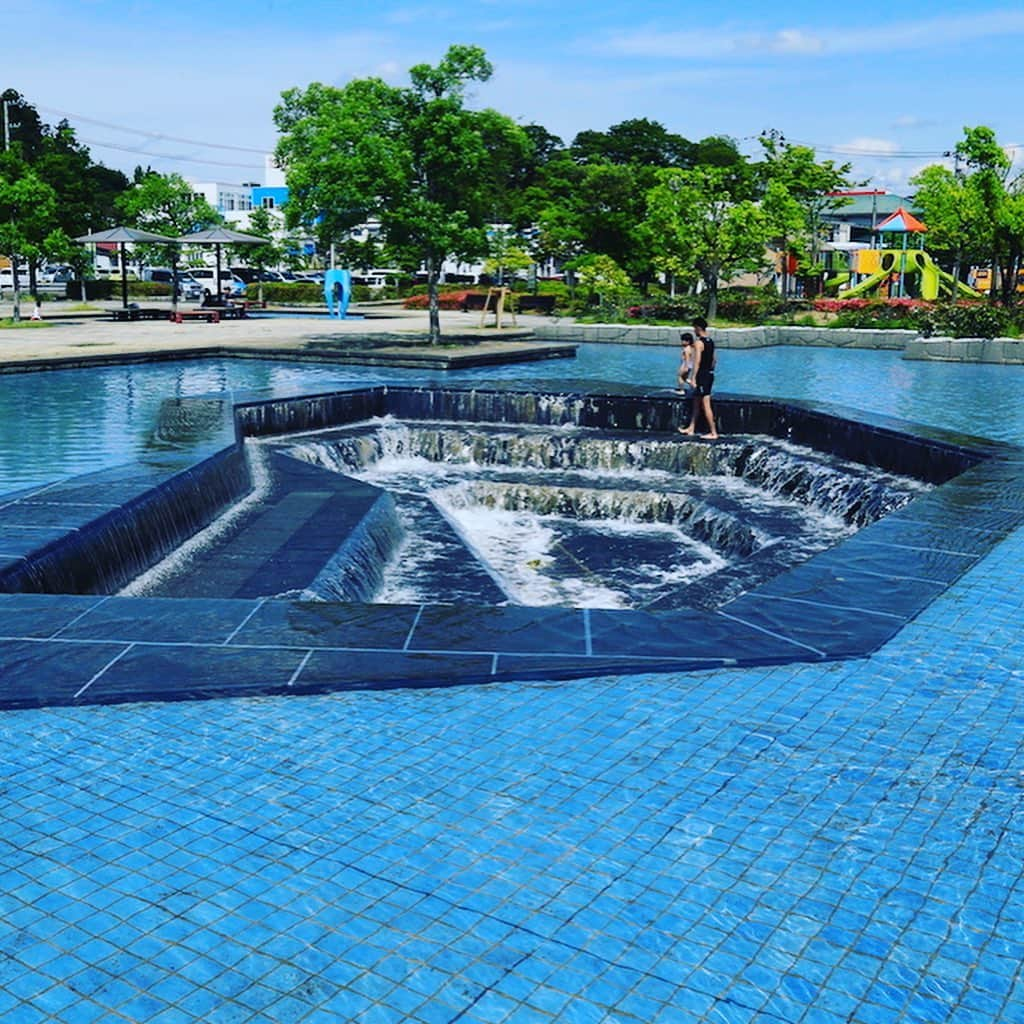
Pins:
x: 703, y: 380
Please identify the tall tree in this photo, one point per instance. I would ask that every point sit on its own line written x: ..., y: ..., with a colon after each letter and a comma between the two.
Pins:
x: 166, y: 205
x: 416, y: 159
x: 702, y: 221
x: 27, y: 208
x: 976, y: 211
x: 85, y: 191
x: 990, y: 183
x: 798, y: 193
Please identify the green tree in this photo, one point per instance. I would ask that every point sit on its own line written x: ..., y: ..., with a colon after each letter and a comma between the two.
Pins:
x: 85, y: 190
x: 959, y: 231
x: 27, y: 209
x: 702, y: 222
x: 976, y: 212
x: 261, y: 257
x: 991, y: 187
x: 166, y: 205
x: 506, y: 254
x: 605, y: 280
x: 798, y: 194
x: 429, y: 169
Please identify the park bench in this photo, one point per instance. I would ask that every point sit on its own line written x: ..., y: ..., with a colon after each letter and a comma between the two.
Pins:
x: 133, y: 313
x: 211, y: 316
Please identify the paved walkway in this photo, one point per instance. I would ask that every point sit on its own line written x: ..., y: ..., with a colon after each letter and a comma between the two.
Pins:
x: 93, y: 337
x: 812, y: 844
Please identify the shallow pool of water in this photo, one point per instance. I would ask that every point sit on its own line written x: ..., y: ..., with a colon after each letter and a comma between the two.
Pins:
x: 62, y: 423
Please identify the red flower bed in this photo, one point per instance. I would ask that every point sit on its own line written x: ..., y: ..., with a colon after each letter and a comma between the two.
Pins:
x: 446, y: 300
x: 844, y: 305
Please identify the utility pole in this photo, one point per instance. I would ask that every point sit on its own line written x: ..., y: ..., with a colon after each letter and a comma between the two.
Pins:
x: 955, y: 154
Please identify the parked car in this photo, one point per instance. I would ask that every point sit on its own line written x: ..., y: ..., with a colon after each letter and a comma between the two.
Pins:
x: 207, y: 277
x: 188, y: 287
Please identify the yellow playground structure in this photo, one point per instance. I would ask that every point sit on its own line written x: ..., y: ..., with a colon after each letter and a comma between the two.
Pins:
x: 897, y: 273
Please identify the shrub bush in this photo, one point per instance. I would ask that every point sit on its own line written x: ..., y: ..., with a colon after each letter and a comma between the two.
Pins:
x: 95, y: 288
x: 147, y: 289
x: 968, y: 320
x: 678, y: 310
x: 288, y: 292
x: 446, y: 300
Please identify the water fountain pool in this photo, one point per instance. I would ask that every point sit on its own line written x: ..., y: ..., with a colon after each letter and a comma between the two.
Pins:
x: 242, y: 621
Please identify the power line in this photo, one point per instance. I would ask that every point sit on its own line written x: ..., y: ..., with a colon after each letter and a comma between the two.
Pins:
x: 158, y: 136
x: 166, y: 156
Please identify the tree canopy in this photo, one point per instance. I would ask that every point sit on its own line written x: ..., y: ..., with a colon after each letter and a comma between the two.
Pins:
x: 415, y: 158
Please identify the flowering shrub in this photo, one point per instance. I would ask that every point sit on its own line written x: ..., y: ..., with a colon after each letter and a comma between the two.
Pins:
x: 853, y: 305
x: 680, y: 310
x: 446, y: 300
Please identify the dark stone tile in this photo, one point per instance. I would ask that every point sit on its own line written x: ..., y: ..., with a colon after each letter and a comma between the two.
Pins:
x: 173, y: 672
x: 22, y: 541
x: 42, y: 673
x: 701, y: 636
x: 834, y: 632
x: 826, y: 580
x: 523, y: 666
x: 40, y: 615
x: 62, y: 516
x: 962, y: 510
x: 867, y: 554
x: 513, y: 629
x: 162, y: 620
x: 904, y: 530
x: 327, y: 624
x: 370, y: 670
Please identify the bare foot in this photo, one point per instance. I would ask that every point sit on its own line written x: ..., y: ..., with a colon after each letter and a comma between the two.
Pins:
x: 709, y: 437
x: 688, y: 431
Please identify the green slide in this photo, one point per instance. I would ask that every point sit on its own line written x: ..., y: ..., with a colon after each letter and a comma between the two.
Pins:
x: 869, y: 284
x: 934, y: 281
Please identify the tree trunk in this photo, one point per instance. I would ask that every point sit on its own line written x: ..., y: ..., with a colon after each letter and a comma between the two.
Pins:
x: 432, y: 301
x: 16, y: 315
x: 711, y: 287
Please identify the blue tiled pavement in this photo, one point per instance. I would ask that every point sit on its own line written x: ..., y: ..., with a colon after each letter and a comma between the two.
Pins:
x: 814, y: 843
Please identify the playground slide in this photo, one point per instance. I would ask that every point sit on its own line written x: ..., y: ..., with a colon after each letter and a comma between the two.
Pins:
x: 915, y: 262
x: 836, y: 281
x: 869, y: 284
x: 936, y: 282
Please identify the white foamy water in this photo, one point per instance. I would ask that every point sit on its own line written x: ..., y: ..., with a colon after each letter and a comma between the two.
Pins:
x: 574, y: 517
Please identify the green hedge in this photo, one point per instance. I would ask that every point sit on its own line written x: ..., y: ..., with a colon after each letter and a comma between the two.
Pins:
x: 146, y: 289
x: 288, y: 292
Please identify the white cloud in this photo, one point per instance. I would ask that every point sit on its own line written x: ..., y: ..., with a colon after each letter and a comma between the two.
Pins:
x: 737, y: 42
x: 865, y: 146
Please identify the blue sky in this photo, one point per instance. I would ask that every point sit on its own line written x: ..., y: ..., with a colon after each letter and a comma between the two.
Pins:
x: 891, y: 90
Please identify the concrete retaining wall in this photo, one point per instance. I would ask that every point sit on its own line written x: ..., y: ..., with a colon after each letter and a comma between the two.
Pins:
x: 967, y: 350
x: 730, y: 337
x: 964, y: 350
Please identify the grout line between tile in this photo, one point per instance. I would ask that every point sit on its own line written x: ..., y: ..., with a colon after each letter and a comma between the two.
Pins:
x: 57, y: 634
x: 412, y: 628
x: 300, y: 667
x: 112, y: 661
x: 231, y: 636
x: 770, y: 632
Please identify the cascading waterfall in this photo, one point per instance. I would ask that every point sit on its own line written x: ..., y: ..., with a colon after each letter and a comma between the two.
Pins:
x: 356, y: 571
x: 567, y: 515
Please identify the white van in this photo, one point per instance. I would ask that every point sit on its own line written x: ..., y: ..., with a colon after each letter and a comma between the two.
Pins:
x: 207, y: 277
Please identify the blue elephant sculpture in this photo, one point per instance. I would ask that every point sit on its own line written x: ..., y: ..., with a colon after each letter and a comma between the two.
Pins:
x: 338, y: 291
